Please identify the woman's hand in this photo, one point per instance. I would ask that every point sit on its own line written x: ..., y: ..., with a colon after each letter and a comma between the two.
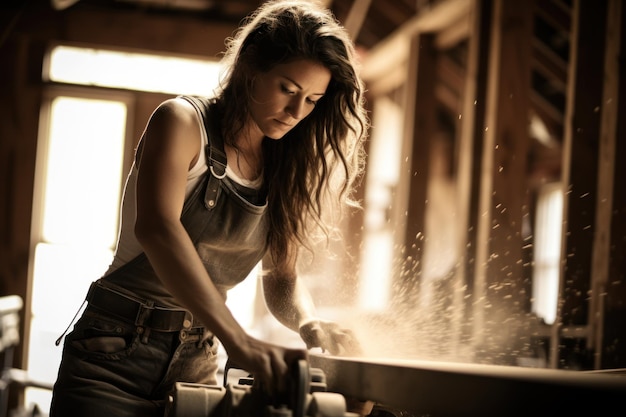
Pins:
x: 331, y: 337
x: 269, y: 364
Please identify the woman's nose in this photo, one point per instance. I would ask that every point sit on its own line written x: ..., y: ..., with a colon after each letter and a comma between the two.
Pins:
x: 295, y: 108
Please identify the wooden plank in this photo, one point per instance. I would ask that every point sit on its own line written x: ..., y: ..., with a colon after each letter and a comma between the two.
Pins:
x: 580, y: 169
x: 457, y: 32
x: 182, y: 36
x: 413, y: 183
x: 356, y: 17
x: 606, y: 180
x: 469, y: 151
x: 393, y: 51
x: 548, y: 63
x: 499, y: 293
x: 450, y: 73
x: 614, y: 343
x: 462, y: 389
x: 554, y: 13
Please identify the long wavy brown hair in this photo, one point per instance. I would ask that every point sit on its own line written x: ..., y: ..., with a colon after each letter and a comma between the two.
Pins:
x: 319, y: 161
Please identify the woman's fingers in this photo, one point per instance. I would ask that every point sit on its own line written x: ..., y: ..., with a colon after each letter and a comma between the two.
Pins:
x: 270, y: 365
x: 346, y: 343
x: 329, y: 336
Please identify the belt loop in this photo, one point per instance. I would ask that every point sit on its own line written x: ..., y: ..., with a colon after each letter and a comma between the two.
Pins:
x: 143, y: 315
x: 145, y: 335
x: 142, y: 320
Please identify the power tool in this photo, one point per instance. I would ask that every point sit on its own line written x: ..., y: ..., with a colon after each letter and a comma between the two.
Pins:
x: 306, y: 396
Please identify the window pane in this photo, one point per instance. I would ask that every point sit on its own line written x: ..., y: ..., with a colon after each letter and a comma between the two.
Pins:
x: 133, y: 71
x: 83, y: 172
x: 547, y: 252
x: 80, y: 193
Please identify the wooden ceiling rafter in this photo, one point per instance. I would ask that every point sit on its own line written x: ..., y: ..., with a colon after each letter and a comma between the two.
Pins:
x: 356, y: 17
x: 555, y: 13
x: 393, y: 51
x: 549, y: 63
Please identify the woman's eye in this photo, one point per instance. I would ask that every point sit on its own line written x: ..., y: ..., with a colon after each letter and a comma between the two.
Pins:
x: 286, y: 90
x: 311, y: 101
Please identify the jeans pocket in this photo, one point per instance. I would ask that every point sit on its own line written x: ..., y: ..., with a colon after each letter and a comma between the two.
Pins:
x: 102, y: 344
x: 102, y: 337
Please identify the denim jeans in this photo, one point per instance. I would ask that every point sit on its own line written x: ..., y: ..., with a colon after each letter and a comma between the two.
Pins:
x: 112, y: 368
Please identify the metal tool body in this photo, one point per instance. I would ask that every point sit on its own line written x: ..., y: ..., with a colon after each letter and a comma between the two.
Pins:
x: 306, y: 397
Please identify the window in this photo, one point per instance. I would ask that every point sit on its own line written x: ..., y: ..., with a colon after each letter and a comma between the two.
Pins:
x: 547, y: 252
x: 382, y: 179
x: 74, y: 236
x: 133, y: 71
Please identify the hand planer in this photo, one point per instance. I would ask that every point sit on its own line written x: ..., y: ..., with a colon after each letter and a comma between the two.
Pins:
x: 306, y: 397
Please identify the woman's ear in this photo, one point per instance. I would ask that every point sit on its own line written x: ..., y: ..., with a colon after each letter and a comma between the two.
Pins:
x: 248, y: 65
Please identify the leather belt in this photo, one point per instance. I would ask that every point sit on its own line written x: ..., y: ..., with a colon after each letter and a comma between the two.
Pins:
x: 137, y: 311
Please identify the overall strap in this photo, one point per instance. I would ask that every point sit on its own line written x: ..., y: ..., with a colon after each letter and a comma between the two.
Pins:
x: 214, y: 150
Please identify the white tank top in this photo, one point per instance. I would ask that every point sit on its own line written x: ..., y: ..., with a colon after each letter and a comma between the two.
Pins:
x: 127, y: 245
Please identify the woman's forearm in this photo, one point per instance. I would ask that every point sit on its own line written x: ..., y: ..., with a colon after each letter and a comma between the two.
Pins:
x: 288, y: 299
x: 177, y: 264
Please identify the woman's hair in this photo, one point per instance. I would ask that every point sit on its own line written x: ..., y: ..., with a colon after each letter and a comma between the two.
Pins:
x: 320, y: 159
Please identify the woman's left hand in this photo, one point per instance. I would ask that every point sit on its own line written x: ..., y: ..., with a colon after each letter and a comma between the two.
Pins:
x: 331, y: 337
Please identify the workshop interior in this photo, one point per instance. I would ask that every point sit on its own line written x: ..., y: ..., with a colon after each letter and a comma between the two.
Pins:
x: 484, y: 273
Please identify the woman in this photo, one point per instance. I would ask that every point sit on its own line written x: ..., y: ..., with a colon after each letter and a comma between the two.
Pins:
x: 217, y: 186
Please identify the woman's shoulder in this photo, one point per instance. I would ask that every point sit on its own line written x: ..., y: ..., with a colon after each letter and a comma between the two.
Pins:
x: 173, y: 117
x: 175, y: 109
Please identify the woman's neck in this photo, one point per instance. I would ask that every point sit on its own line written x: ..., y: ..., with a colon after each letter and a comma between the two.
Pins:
x: 245, y: 157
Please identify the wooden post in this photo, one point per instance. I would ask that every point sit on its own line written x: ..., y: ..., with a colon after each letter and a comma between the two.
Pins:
x: 502, y: 206
x: 580, y: 177
x: 611, y: 338
x: 469, y: 151
x: 419, y: 131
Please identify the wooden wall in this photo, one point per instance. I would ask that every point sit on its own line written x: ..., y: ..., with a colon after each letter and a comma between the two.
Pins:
x: 572, y: 79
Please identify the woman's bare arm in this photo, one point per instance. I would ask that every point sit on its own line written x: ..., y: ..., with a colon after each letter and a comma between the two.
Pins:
x: 170, y: 146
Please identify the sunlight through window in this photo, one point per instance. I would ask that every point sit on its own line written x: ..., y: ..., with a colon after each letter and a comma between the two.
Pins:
x: 378, y: 249
x: 81, y: 179
x: 547, y: 252
x: 84, y: 171
x: 133, y: 71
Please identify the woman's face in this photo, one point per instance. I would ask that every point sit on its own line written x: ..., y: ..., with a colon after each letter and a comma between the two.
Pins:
x: 285, y: 95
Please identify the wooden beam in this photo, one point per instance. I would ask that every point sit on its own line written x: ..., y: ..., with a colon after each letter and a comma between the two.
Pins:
x: 613, y: 343
x: 393, y: 50
x: 580, y: 166
x: 450, y: 73
x: 182, y: 36
x: 392, y: 80
x: 606, y: 180
x: 453, y: 34
x: 451, y: 389
x: 419, y: 130
x: 469, y: 149
x: 448, y: 98
x: 356, y: 17
x: 499, y: 291
x: 551, y: 117
x: 549, y: 64
x: 555, y: 14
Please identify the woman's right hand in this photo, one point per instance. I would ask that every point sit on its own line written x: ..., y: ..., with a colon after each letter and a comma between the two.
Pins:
x: 269, y: 364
